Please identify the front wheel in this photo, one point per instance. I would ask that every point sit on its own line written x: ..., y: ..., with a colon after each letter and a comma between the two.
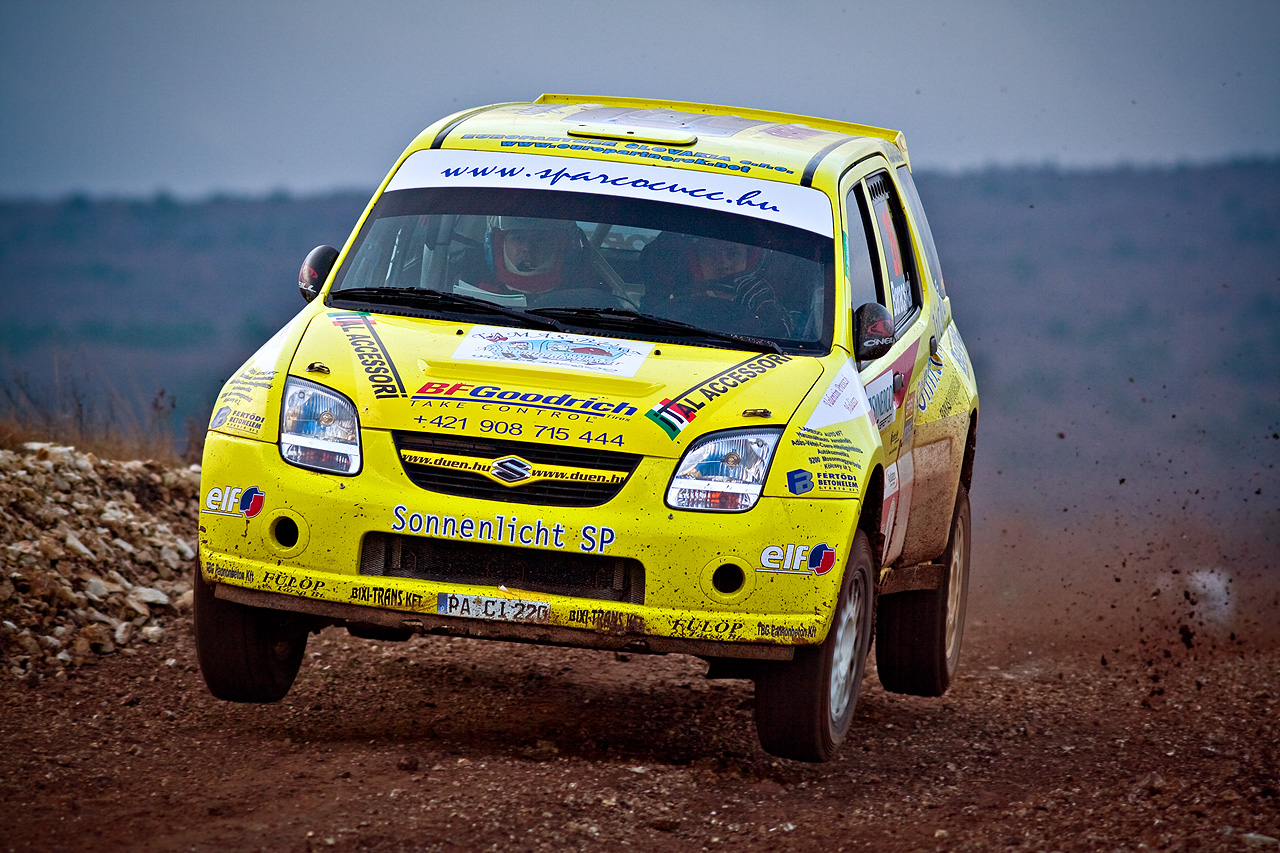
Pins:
x: 246, y: 654
x: 918, y: 633
x: 803, y: 706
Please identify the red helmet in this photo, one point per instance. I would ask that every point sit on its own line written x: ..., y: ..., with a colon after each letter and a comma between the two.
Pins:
x: 528, y: 255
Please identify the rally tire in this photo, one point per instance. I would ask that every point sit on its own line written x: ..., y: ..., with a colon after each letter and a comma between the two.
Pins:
x: 918, y: 633
x: 804, y: 705
x: 246, y: 654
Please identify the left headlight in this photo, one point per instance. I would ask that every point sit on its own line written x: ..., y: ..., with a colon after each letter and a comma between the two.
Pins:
x: 724, y: 471
x: 319, y: 428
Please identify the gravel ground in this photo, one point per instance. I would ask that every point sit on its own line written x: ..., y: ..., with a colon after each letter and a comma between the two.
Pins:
x: 1119, y: 690
x: 440, y: 744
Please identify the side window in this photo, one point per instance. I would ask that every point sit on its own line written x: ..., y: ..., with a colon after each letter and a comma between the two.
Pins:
x: 922, y: 228
x: 895, y: 243
x: 863, y: 284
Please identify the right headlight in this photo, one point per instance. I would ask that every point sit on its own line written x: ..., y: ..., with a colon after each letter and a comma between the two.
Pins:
x: 319, y: 428
x: 723, y: 471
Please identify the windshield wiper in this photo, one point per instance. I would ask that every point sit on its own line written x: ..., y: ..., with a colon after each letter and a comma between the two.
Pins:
x: 624, y: 320
x: 415, y: 297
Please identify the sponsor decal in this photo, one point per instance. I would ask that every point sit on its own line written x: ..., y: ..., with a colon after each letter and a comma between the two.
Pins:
x: 502, y: 529
x: 293, y: 585
x: 802, y: 207
x: 494, y: 609
x: 379, y: 369
x: 497, y: 344
x: 835, y: 456
x: 880, y: 398
x: 908, y: 422
x: 238, y: 503
x: 245, y: 575
x: 889, y: 506
x: 938, y: 309
x: 653, y: 152
x: 844, y: 399
x: 511, y: 470
x: 721, y: 629
x: 499, y: 398
x: 799, y: 481
x: 929, y: 382
x: 242, y: 387
x: 837, y: 481
x: 764, y: 629
x: 959, y: 353
x: 608, y: 621
x: 676, y: 413
x: 237, y: 419
x: 377, y: 596
x: 798, y: 559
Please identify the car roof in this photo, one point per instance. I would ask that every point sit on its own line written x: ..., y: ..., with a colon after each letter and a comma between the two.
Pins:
x: 762, y: 143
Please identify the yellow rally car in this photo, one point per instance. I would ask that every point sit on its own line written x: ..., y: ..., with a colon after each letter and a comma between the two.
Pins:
x: 617, y: 374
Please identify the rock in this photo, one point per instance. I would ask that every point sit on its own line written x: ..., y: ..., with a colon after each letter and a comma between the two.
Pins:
x: 153, y: 633
x: 51, y: 548
x: 123, y: 633
x: 97, y: 638
x: 77, y: 547
x: 104, y: 618
x: 1254, y: 839
x: 149, y: 595
x: 114, y: 512
x: 170, y: 558
x: 95, y: 589
x: 30, y: 645
x: 119, y: 578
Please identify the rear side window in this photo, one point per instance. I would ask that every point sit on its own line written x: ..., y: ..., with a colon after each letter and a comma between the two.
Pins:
x: 895, y: 244
x: 923, y: 232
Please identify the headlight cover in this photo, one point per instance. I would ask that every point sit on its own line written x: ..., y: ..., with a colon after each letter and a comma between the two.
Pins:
x: 319, y: 428
x: 723, y: 471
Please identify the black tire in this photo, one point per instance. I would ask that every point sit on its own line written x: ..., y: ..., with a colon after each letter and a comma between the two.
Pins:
x: 918, y: 633
x: 246, y: 654
x: 803, y: 706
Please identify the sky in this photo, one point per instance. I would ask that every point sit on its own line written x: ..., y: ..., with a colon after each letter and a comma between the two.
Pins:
x: 133, y: 98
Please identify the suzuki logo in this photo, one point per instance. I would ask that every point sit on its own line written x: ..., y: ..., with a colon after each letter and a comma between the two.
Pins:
x: 511, y: 469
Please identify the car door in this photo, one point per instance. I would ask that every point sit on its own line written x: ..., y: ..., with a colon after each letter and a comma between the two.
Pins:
x: 891, y: 381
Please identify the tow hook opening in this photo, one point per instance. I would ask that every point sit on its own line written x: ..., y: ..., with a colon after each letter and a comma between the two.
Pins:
x: 285, y: 531
x: 728, y: 579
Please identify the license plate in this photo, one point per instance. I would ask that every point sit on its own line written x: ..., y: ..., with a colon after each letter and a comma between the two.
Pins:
x: 498, y: 609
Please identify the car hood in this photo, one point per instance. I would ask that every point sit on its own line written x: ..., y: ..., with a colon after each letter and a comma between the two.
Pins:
x: 412, y: 374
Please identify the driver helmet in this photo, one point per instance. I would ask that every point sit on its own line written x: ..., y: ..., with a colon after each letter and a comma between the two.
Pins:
x: 528, y: 254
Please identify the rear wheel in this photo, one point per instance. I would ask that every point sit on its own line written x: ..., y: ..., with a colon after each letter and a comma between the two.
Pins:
x: 918, y: 633
x: 803, y: 706
x: 246, y: 654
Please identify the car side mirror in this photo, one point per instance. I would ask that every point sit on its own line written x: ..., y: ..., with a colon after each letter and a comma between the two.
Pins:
x: 873, y: 333
x: 315, y: 270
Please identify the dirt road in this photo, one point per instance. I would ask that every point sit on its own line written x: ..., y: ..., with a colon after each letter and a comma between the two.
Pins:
x: 1119, y: 690
x: 443, y: 744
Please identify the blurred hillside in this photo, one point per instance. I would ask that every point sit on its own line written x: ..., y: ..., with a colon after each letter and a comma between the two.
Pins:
x: 1125, y: 325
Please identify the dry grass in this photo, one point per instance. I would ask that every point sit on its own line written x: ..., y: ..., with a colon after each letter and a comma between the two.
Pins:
x: 117, y: 431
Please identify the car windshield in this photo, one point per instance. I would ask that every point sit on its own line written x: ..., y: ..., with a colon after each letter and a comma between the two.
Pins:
x: 591, y: 260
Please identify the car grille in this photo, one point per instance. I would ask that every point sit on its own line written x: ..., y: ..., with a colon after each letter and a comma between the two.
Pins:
x: 470, y: 484
x: 580, y: 575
